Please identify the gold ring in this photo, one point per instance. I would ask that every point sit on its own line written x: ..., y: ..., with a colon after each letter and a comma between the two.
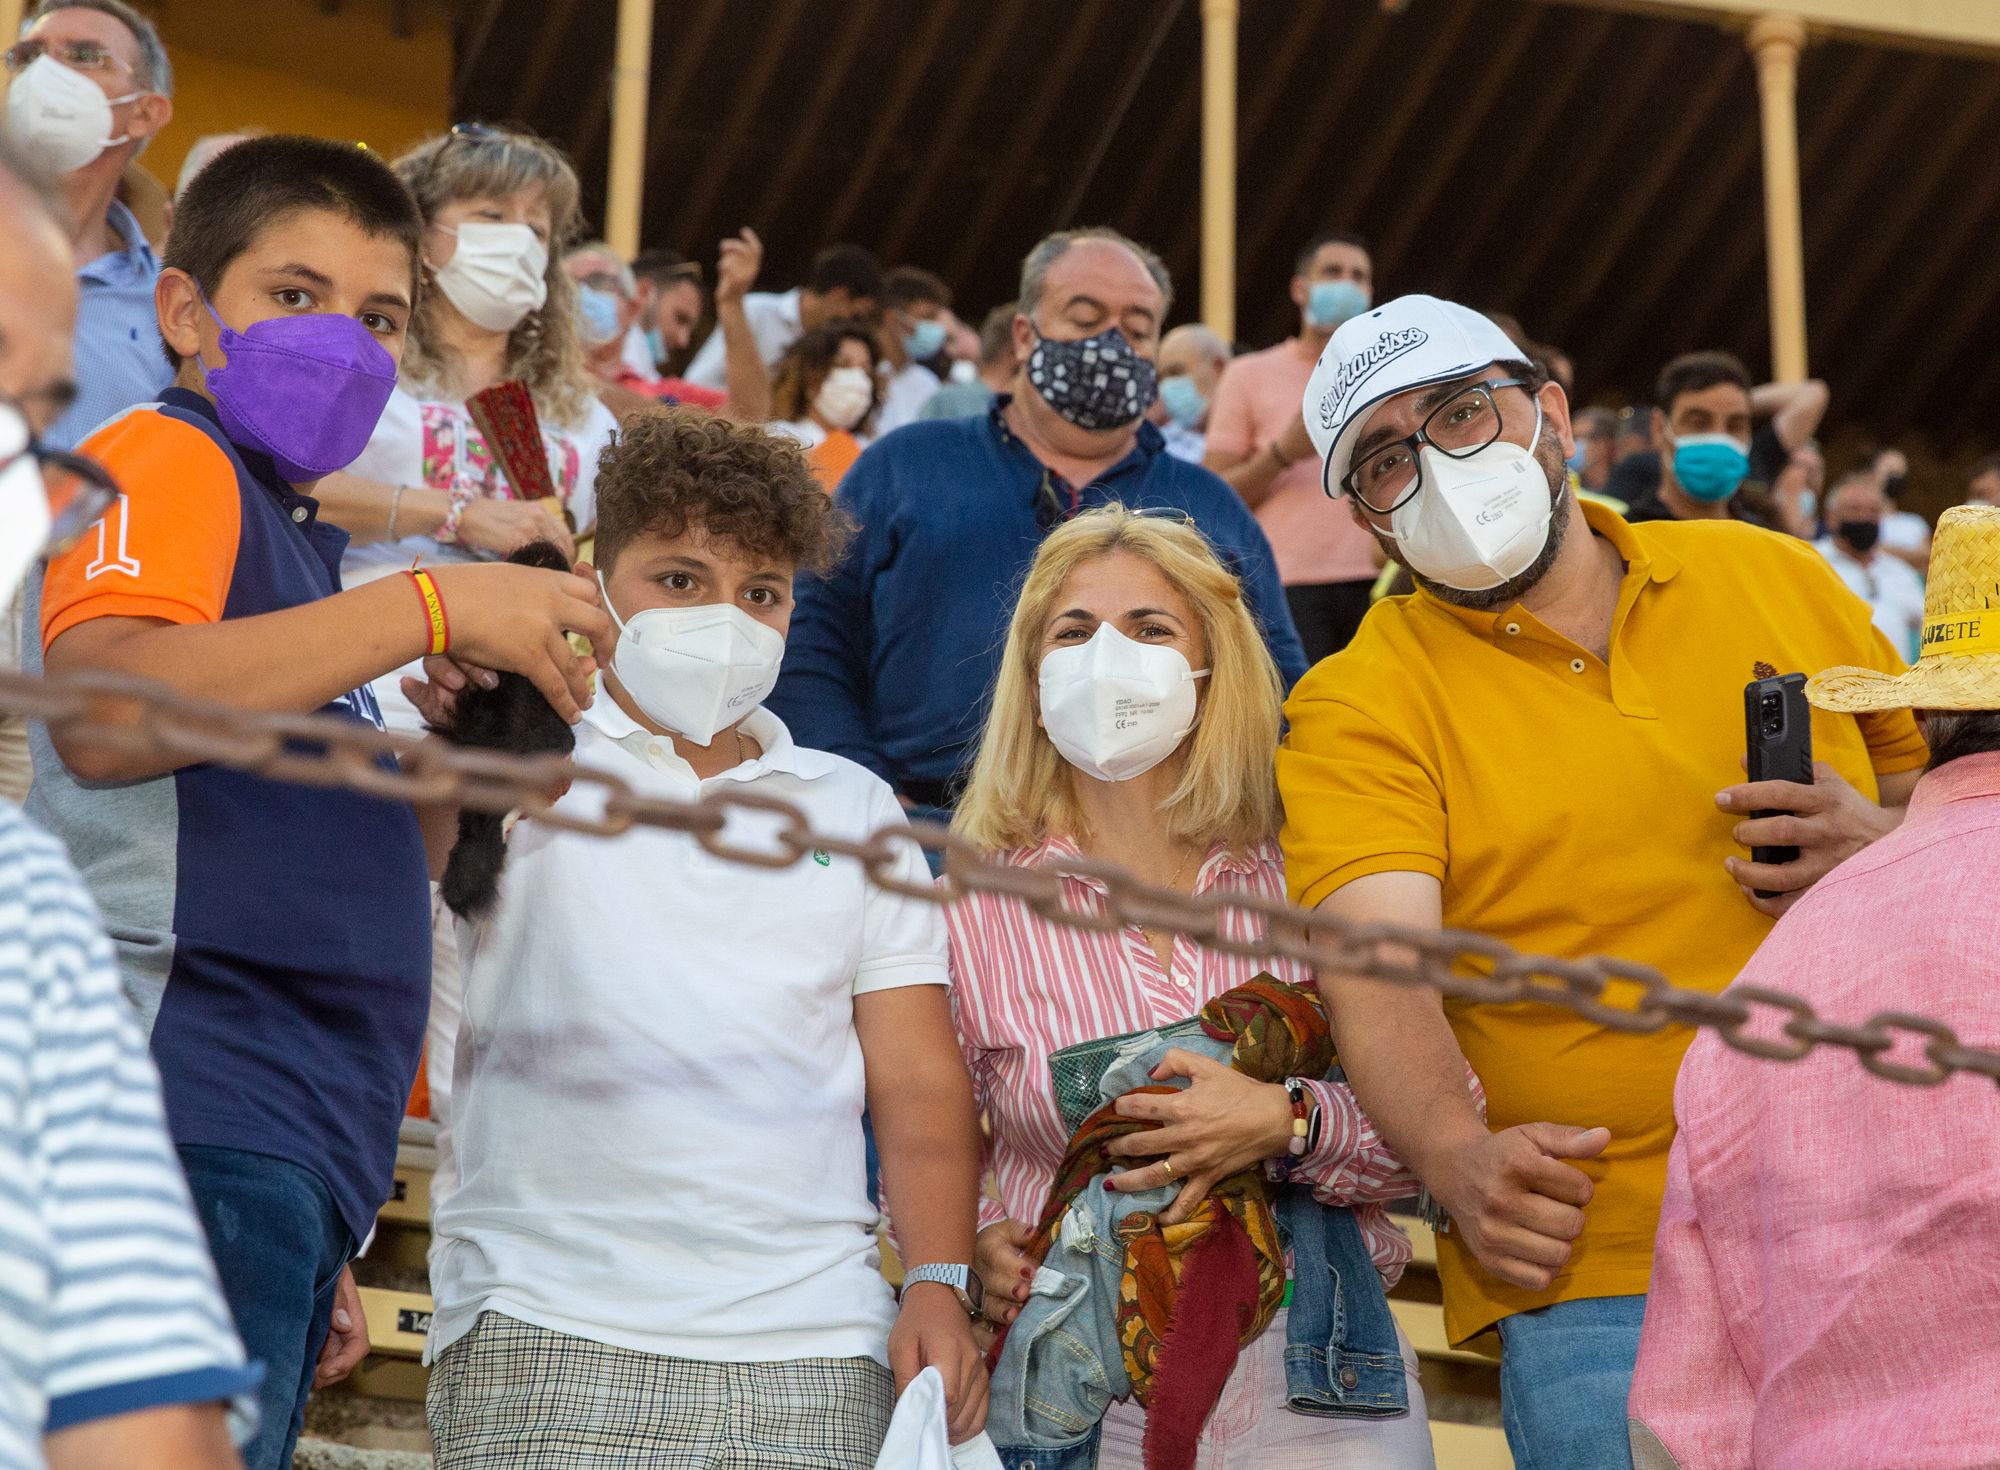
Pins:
x: 1168, y: 1165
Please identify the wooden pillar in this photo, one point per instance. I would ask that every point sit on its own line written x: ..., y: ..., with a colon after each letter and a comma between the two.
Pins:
x: 1218, y: 166
x: 631, y: 78
x: 11, y: 12
x: 1775, y: 42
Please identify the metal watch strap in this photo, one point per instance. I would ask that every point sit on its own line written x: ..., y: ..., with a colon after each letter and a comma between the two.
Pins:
x: 959, y: 1278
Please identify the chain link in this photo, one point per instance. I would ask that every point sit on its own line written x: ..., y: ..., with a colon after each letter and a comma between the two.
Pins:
x: 132, y: 716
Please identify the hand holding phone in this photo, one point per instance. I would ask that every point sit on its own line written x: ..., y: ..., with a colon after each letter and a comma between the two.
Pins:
x: 1778, y: 745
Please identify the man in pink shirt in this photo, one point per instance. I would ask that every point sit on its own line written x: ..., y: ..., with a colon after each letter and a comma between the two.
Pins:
x: 1826, y: 1287
x: 1257, y: 442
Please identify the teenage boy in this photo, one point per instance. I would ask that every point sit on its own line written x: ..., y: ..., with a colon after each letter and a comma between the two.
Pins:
x: 275, y: 938
x: 661, y: 1249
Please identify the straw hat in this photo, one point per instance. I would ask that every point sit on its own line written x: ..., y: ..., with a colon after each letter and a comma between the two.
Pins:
x: 1960, y: 663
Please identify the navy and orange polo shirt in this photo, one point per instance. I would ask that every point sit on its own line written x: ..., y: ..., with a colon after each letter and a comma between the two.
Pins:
x: 274, y: 937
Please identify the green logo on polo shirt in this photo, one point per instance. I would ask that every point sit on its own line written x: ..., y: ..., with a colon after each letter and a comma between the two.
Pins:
x: 822, y: 857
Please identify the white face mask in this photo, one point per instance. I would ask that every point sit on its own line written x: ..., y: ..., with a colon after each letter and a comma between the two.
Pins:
x: 1116, y: 708
x: 498, y: 274
x: 843, y: 399
x: 1478, y: 521
x: 61, y: 118
x: 695, y: 670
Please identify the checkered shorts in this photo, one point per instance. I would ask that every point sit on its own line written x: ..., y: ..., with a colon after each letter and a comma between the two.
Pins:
x: 508, y: 1396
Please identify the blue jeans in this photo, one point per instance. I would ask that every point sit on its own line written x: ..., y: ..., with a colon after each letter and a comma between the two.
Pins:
x: 279, y: 1246
x: 1565, y: 1374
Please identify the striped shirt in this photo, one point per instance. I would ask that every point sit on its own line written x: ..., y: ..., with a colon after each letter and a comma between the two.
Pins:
x: 108, y: 1300
x: 1024, y: 988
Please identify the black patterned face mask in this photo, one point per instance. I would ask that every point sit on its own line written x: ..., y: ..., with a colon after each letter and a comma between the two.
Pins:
x: 1098, y: 383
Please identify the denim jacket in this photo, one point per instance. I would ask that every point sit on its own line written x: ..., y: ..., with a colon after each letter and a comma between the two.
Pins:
x: 1062, y: 1364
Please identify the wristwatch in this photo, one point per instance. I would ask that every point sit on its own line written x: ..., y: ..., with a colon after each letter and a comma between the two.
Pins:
x: 963, y: 1280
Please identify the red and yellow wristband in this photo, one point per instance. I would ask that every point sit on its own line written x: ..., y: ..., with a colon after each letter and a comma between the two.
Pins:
x: 434, y: 613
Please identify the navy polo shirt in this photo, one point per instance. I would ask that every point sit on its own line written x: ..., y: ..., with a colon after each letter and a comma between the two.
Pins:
x: 275, y: 937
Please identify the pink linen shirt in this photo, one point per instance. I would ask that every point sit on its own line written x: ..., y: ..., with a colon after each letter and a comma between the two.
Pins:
x: 1826, y: 1288
x: 1024, y: 988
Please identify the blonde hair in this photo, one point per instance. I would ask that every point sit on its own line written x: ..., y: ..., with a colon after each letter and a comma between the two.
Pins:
x: 1022, y: 790
x: 544, y: 351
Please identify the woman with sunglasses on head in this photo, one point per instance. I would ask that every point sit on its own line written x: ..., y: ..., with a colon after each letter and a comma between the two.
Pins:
x: 1134, y: 614
x: 498, y: 206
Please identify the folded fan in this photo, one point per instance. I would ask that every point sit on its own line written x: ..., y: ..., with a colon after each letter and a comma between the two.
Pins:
x: 505, y: 415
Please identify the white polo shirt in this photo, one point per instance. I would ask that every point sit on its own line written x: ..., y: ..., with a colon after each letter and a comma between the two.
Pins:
x: 658, y: 1088
x: 1893, y: 590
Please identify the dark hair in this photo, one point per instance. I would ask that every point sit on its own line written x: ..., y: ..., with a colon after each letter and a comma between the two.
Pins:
x: 1319, y: 242
x: 806, y: 363
x: 1955, y: 733
x: 905, y: 285
x: 666, y: 267
x: 153, y: 58
x: 1692, y: 372
x: 671, y: 470
x: 849, y: 268
x: 1987, y: 466
x: 259, y: 182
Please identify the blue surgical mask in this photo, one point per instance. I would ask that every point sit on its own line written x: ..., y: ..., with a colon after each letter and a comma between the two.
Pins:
x: 1332, y: 302
x: 1576, y: 459
x: 1182, y: 400
x: 656, y: 344
x: 1710, y: 467
x: 924, y: 340
x: 598, y: 312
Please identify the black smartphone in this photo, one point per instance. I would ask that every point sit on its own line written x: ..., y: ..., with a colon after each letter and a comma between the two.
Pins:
x: 1777, y: 726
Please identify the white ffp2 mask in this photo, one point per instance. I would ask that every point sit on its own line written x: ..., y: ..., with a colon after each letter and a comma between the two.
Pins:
x: 61, y: 118
x: 498, y: 274
x: 844, y: 396
x: 695, y: 670
x: 1115, y: 708
x: 24, y: 521
x: 1478, y: 521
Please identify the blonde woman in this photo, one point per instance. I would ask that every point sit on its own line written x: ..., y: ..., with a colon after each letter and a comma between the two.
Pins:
x: 1130, y: 609
x: 498, y: 208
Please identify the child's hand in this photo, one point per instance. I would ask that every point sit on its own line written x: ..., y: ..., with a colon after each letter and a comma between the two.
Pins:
x: 932, y: 1331
x: 518, y: 619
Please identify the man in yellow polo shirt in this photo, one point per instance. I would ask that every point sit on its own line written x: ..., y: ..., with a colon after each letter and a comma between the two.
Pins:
x: 1541, y: 744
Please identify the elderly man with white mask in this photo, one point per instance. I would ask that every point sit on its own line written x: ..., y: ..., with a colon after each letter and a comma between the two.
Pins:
x: 88, y: 85
x: 1540, y: 744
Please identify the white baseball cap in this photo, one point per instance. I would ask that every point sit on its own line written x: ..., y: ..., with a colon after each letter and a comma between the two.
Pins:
x: 1411, y: 342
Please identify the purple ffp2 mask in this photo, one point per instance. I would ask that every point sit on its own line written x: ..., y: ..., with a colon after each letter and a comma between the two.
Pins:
x: 306, y: 390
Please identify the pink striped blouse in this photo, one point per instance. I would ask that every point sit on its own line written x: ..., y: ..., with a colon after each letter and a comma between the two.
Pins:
x: 1024, y: 988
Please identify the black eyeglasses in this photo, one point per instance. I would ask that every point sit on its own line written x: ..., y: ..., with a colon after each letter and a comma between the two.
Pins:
x: 1387, y: 477
x: 1050, y: 510
x: 79, y: 490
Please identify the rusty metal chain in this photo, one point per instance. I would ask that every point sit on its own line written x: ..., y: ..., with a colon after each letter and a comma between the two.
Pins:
x: 133, y: 716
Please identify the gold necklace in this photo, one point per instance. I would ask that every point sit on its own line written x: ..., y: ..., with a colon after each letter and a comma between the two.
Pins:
x: 1152, y: 936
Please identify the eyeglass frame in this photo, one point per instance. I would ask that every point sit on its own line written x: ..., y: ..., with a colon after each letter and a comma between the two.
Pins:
x: 100, y: 494
x: 469, y: 132
x: 1415, y: 443
x: 1049, y: 512
x: 32, y: 47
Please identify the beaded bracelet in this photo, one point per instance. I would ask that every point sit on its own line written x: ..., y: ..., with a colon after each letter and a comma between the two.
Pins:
x: 447, y: 531
x: 1305, y: 1128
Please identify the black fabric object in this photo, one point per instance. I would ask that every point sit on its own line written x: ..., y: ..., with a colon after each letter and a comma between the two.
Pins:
x: 512, y: 716
x: 1328, y: 614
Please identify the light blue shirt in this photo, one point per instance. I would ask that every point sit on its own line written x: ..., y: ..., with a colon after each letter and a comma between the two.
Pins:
x: 118, y: 357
